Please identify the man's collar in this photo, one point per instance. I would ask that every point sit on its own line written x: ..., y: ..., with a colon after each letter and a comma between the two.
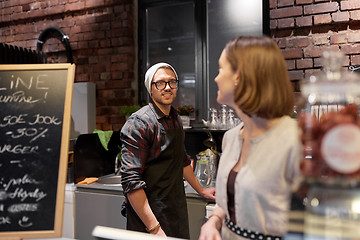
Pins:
x: 158, y: 112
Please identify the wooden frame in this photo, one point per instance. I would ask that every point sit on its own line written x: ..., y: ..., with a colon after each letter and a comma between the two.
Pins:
x: 63, y: 154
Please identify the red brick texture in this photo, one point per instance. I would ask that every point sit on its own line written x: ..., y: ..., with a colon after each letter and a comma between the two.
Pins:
x: 102, y: 37
x: 304, y: 29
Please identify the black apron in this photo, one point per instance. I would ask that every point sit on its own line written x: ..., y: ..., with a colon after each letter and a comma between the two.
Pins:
x: 165, y: 189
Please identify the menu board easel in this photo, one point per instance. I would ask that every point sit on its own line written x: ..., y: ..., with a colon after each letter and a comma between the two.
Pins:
x: 35, y: 103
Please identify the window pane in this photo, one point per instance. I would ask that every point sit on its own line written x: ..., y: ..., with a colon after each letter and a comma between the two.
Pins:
x: 171, y: 39
x: 226, y: 20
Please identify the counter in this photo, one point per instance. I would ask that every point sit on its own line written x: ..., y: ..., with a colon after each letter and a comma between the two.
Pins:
x: 100, y: 204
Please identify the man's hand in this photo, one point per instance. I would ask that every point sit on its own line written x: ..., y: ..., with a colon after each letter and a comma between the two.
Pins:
x: 159, y: 232
x: 191, y: 178
x: 208, y: 193
x: 140, y: 204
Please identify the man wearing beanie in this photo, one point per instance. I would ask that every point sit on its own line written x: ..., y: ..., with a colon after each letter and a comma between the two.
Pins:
x: 154, y: 161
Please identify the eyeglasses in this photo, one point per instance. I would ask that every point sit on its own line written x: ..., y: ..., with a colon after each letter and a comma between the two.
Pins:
x: 161, y: 85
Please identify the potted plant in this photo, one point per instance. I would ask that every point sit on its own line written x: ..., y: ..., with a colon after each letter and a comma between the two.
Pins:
x: 127, y: 110
x: 184, y: 112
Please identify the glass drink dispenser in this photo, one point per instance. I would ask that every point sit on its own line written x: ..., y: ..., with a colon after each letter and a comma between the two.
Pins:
x: 330, y: 127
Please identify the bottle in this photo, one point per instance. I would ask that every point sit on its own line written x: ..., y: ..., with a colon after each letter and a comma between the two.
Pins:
x: 213, y: 119
x: 231, y: 122
x: 223, y: 117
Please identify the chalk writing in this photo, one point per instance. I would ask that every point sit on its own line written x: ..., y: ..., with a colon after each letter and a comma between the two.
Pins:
x: 45, y: 120
x: 10, y: 120
x: 16, y: 162
x: 24, y: 222
x: 18, y: 97
x: 4, y: 220
x: 23, y: 207
x: 23, y: 194
x: 28, y: 132
x: 3, y: 195
x: 18, y: 149
x: 19, y: 181
x: 38, y: 82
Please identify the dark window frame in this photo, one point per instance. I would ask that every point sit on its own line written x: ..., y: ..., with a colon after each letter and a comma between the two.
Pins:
x: 201, y: 58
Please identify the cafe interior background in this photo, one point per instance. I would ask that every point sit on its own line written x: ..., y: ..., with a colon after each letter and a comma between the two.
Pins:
x: 113, y: 42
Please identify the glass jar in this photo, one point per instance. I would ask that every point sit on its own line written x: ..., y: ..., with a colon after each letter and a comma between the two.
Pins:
x: 330, y: 122
x: 332, y: 212
x: 330, y: 126
x: 214, y: 122
x: 202, y: 170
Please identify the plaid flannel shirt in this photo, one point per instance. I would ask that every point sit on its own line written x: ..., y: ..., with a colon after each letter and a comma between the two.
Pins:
x: 143, y: 136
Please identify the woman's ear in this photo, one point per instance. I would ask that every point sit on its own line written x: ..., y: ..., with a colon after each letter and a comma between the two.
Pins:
x: 236, y: 80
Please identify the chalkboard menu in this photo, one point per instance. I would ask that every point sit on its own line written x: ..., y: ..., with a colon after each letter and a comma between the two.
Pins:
x: 35, y: 103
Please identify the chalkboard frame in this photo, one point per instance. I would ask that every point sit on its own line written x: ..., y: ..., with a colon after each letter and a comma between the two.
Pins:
x: 63, y: 161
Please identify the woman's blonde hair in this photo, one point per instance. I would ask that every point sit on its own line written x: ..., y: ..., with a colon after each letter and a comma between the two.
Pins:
x: 264, y: 88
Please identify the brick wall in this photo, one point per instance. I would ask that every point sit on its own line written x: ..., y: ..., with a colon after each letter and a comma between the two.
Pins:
x: 101, y: 34
x: 102, y: 37
x: 304, y: 29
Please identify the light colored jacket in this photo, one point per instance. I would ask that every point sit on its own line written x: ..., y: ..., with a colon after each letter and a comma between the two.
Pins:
x: 263, y: 185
